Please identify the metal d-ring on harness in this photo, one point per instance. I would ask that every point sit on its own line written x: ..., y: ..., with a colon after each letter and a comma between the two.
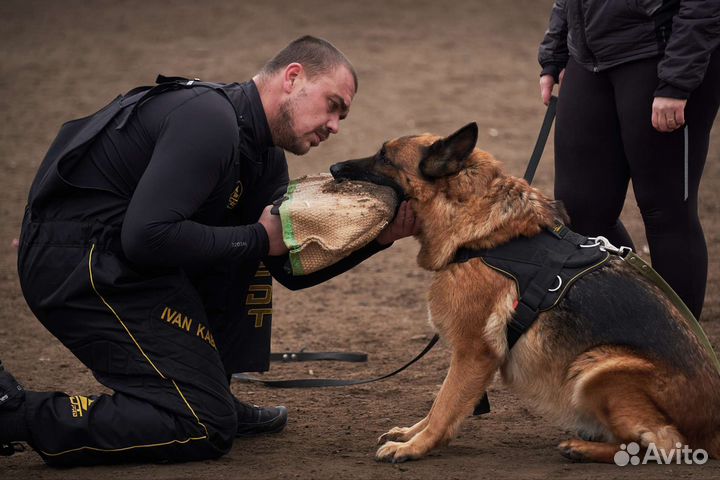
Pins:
x: 560, y: 282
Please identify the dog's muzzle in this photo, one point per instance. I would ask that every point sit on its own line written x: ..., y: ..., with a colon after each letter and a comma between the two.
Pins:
x: 353, y: 170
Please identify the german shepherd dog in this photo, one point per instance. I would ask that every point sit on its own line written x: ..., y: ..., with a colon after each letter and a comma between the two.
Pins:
x: 614, y: 361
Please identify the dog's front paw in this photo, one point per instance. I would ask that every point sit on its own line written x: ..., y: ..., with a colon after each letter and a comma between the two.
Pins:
x: 397, y: 434
x: 397, y: 452
x: 573, y: 450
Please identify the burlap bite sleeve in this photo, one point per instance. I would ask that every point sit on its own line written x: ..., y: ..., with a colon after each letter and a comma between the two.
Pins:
x: 324, y: 221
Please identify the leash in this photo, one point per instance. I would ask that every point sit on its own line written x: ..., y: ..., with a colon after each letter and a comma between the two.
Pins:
x: 654, y: 277
x: 541, y: 140
x: 480, y: 408
x: 303, y: 356
x: 648, y: 272
x: 331, y: 382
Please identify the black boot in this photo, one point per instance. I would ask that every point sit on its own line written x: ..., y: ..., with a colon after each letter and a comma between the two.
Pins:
x: 254, y: 420
x: 13, y: 426
x: 12, y: 393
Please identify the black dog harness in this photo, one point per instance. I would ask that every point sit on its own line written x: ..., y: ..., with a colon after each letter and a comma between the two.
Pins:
x: 543, y: 268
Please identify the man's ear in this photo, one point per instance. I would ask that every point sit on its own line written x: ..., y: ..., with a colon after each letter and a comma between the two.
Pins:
x: 448, y: 155
x: 291, y: 74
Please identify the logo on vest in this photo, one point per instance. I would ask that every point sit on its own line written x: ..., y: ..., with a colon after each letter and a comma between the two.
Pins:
x: 259, y: 296
x: 79, y: 405
x: 235, y: 196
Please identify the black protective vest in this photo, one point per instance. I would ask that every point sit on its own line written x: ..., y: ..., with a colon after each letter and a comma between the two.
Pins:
x: 76, y: 135
x: 246, y: 346
x: 543, y: 267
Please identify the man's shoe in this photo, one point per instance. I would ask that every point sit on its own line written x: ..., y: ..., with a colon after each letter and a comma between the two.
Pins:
x: 254, y: 420
x: 12, y: 417
x: 10, y: 448
x: 12, y: 393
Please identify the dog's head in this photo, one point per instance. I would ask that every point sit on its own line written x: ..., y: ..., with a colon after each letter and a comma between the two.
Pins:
x: 409, y: 164
x: 459, y: 193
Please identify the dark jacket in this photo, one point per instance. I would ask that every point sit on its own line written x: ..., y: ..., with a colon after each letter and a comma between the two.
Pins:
x: 601, y: 34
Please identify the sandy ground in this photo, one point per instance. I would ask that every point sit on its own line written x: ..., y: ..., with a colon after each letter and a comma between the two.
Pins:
x: 424, y: 66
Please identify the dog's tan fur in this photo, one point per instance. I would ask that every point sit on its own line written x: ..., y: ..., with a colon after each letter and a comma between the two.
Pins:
x: 608, y: 391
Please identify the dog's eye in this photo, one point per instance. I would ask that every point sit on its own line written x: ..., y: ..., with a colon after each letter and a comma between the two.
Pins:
x: 382, y: 158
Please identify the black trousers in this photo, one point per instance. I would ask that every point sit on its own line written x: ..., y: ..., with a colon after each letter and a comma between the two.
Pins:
x: 604, y: 138
x: 144, y: 334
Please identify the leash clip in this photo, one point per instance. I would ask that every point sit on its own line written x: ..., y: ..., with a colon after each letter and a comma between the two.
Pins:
x: 605, y: 246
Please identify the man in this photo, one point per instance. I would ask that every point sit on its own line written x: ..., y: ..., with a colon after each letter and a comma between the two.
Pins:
x: 141, y: 251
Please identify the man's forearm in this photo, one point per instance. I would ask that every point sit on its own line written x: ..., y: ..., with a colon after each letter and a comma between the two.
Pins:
x: 276, y: 265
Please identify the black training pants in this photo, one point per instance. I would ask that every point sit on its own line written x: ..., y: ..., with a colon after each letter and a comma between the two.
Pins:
x: 604, y: 138
x: 144, y: 334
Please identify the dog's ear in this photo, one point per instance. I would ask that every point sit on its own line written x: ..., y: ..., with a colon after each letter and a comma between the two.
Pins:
x: 447, y: 156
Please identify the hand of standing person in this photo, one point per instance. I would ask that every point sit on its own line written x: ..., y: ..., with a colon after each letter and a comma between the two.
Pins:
x: 547, y: 82
x: 273, y: 227
x: 668, y: 114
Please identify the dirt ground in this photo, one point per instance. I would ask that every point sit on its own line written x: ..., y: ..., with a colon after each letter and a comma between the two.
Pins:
x: 424, y: 65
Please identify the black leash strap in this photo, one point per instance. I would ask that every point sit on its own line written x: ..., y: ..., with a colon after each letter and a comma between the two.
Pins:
x: 330, y: 382
x: 542, y: 140
x: 302, y: 356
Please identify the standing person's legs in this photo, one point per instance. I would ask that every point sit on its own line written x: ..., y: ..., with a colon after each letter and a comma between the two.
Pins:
x: 657, y: 163
x: 591, y: 172
x: 143, y: 335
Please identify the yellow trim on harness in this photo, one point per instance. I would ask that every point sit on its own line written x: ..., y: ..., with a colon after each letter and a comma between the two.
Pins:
x: 204, y: 437
x: 572, y: 280
x: 567, y: 284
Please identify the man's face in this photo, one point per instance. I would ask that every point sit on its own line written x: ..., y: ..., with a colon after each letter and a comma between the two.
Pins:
x: 313, y: 110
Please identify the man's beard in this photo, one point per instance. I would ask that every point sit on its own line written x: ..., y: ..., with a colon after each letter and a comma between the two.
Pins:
x: 283, y: 130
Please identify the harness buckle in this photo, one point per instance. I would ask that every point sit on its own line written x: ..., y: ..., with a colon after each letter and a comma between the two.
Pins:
x: 605, y: 246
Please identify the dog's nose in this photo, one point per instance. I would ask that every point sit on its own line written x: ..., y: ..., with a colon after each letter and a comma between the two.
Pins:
x: 335, y: 170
